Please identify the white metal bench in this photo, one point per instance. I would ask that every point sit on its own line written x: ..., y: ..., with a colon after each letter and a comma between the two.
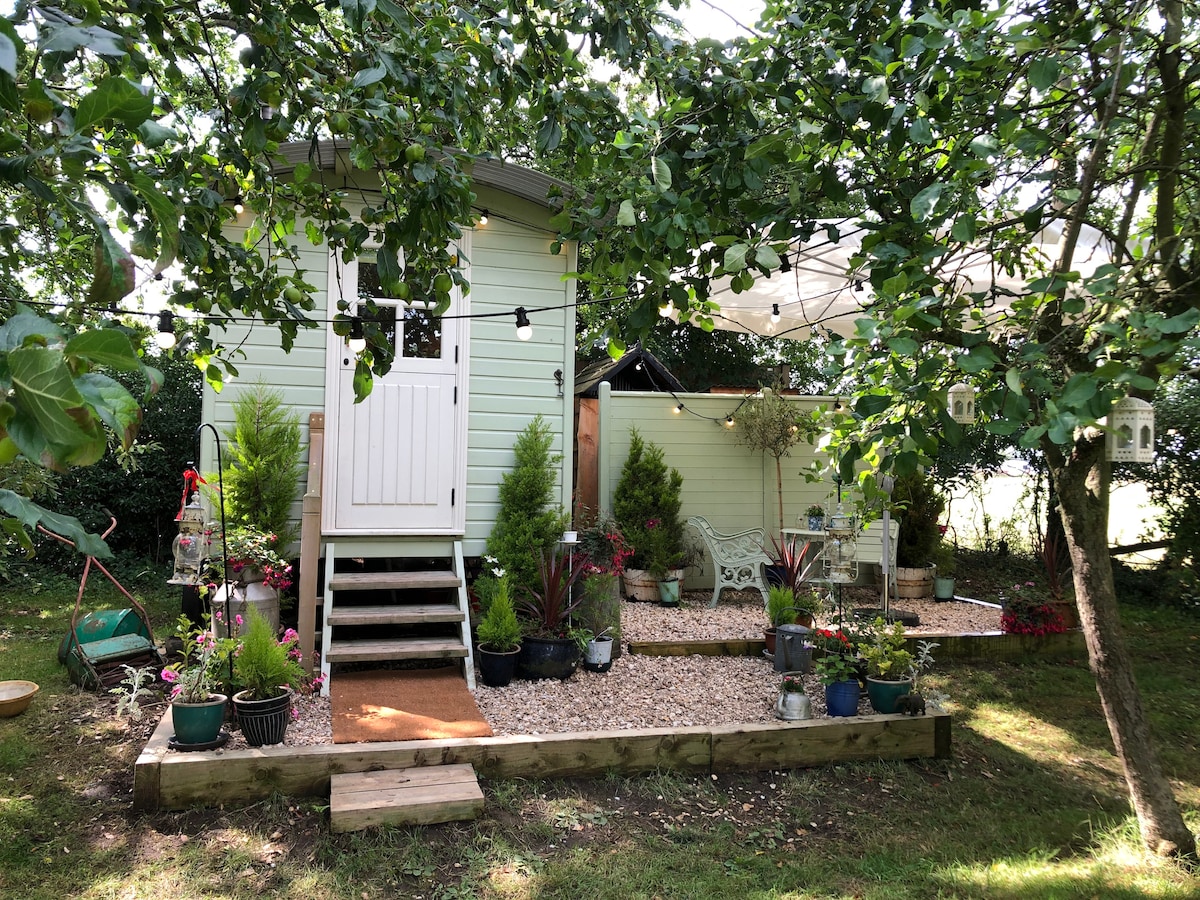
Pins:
x: 737, y: 558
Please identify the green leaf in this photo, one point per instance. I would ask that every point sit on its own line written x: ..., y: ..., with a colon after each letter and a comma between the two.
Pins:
x: 963, y: 228
x: 926, y: 201
x: 52, y: 424
x: 661, y: 173
x: 766, y: 257
x: 978, y: 359
x: 985, y: 145
x: 1013, y: 379
x: 549, y: 136
x: 1043, y: 72
x: 919, y: 132
x: 876, y: 88
x: 154, y: 135
x: 1078, y: 390
x: 895, y: 285
x: 114, y: 271
x: 365, y: 77
x: 115, y: 99
x: 735, y: 258
x: 31, y: 515
x: 115, y: 406
x: 105, y: 347
x: 166, y: 214
x: 68, y: 39
x: 8, y: 56
x: 625, y: 214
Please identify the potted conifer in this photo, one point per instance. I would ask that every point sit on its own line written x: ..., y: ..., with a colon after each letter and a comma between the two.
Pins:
x: 646, y: 505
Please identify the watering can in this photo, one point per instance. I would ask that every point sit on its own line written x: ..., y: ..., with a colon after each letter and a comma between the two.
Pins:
x: 792, y: 654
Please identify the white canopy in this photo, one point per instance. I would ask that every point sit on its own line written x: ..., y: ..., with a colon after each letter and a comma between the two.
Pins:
x: 823, y: 290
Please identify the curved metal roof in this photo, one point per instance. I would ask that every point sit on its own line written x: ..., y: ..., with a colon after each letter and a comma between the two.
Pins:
x: 329, y: 155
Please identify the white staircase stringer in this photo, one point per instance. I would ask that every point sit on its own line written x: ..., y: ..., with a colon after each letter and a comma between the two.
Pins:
x: 326, y: 628
x: 464, y: 604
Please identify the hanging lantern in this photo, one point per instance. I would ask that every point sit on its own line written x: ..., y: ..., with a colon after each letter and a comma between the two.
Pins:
x: 1131, y: 431
x: 960, y: 399
x: 841, y: 548
x: 190, y: 546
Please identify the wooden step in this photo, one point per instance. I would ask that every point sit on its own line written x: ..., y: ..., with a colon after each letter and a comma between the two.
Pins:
x: 340, y: 651
x: 395, y: 615
x: 397, y: 581
x: 421, y: 796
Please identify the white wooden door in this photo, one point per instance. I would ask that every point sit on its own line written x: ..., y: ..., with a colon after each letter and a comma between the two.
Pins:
x: 398, y: 456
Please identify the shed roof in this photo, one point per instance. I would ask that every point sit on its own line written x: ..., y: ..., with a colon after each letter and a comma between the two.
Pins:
x: 536, y: 187
x: 637, y: 370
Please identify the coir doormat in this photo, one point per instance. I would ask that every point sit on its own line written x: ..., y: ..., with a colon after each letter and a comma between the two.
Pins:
x: 404, y: 705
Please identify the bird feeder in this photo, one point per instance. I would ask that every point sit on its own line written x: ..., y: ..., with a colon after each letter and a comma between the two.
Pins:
x: 960, y: 399
x: 1131, y: 431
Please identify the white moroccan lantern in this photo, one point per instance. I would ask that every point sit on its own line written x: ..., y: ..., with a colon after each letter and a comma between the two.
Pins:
x: 1131, y: 431
x: 960, y: 399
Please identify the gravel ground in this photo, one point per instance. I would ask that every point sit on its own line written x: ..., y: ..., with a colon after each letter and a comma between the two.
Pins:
x: 662, y: 692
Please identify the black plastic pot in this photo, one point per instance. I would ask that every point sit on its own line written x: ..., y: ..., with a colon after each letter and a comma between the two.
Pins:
x: 496, y: 669
x: 547, y: 658
x: 263, y: 721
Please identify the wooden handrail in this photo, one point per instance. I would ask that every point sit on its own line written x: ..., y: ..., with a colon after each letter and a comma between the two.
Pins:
x: 310, y: 540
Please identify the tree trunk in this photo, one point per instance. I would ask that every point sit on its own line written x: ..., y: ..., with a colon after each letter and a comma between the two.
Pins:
x: 1082, y: 485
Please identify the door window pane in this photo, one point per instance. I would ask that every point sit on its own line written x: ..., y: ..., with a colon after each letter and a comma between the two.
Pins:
x: 422, y: 334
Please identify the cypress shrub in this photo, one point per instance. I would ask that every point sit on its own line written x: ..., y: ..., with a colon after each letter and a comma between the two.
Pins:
x: 646, y: 505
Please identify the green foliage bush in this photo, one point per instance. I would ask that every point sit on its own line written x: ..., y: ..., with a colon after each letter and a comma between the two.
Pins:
x: 499, y: 630
x: 649, y: 492
x: 265, y: 665
x: 528, y: 522
x: 261, y: 477
x: 919, y: 506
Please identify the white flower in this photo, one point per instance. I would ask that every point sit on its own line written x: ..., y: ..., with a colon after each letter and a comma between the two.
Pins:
x: 498, y: 571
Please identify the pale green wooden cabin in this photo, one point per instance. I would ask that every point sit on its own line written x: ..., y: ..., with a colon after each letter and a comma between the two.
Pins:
x: 404, y: 485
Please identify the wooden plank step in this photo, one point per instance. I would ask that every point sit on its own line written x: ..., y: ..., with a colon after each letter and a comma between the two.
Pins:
x: 399, y: 581
x: 420, y: 796
x: 384, y: 614
x: 396, y: 648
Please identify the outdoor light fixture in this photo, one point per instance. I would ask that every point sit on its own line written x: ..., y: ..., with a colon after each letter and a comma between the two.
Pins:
x: 483, y: 217
x: 678, y: 408
x: 858, y: 285
x: 667, y: 309
x: 238, y: 206
x: 524, y: 329
x: 165, y: 337
x: 1130, y: 431
x: 960, y: 399
x: 785, y: 264
x: 358, y: 343
x: 729, y: 421
x: 775, y: 313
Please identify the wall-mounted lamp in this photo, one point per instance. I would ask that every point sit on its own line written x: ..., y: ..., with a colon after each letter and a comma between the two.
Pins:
x: 165, y: 337
x: 558, y: 379
x: 357, y: 343
x: 524, y: 329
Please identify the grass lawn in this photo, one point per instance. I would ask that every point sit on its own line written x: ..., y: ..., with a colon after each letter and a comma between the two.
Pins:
x: 1032, y: 804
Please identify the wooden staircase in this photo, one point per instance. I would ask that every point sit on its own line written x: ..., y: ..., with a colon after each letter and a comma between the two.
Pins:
x: 421, y: 796
x: 388, y: 601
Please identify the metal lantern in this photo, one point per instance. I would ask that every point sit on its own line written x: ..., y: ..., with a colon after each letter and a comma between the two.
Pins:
x: 1131, y: 431
x: 190, y: 546
x: 960, y: 398
x: 841, y: 549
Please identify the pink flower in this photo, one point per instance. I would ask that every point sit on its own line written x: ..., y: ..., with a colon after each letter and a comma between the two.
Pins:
x: 238, y: 619
x: 170, y: 676
x: 290, y: 635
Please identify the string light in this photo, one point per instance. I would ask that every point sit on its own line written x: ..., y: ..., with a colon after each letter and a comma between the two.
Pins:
x: 165, y: 337
x: 357, y: 343
x: 483, y: 217
x: 729, y: 421
x: 677, y: 409
x: 785, y: 264
x: 238, y: 206
x: 524, y: 329
x: 775, y: 312
x: 667, y: 309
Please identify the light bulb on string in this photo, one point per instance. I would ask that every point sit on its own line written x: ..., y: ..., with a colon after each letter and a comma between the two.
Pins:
x: 524, y: 328
x: 774, y: 313
x: 667, y: 309
x: 165, y: 337
x: 729, y: 421
x: 677, y: 409
x: 483, y: 217
x: 357, y: 343
x: 785, y: 264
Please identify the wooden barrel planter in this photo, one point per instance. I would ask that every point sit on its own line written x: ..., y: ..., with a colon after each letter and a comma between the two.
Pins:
x: 914, y: 583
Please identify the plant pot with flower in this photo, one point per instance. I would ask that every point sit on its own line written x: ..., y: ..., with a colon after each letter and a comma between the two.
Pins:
x: 269, y: 672
x: 197, y: 707
x: 646, y: 505
x: 548, y: 649
x: 889, y: 664
x: 792, y: 704
x: 256, y: 574
x: 837, y: 669
x: 604, y: 551
x: 815, y: 516
x: 499, y: 634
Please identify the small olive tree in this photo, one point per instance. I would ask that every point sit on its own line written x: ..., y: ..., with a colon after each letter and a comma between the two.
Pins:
x: 770, y: 424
